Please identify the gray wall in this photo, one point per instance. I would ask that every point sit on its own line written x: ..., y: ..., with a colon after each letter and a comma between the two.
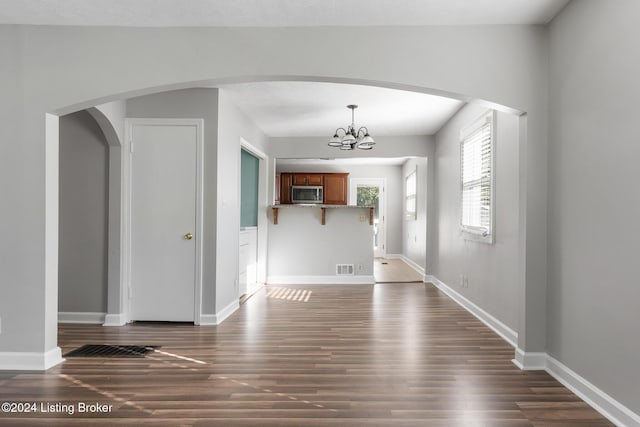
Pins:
x: 316, y: 147
x: 232, y: 126
x: 84, y: 164
x: 513, y: 72
x: 392, y: 175
x: 111, y: 119
x: 594, y: 202
x: 193, y: 104
x: 492, y: 270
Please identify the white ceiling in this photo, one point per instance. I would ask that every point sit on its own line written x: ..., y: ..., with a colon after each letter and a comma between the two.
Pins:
x: 294, y: 109
x: 275, y: 13
x: 352, y: 161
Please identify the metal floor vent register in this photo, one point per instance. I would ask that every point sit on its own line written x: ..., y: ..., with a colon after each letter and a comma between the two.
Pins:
x: 102, y: 350
x: 345, y: 269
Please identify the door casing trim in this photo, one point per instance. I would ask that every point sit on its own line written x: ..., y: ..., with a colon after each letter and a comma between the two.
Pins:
x: 382, y: 182
x: 125, y: 213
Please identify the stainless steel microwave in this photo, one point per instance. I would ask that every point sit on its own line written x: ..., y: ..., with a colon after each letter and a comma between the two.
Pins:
x: 306, y: 194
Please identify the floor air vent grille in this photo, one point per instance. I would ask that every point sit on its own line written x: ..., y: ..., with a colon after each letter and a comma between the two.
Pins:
x: 101, y: 350
x: 344, y: 269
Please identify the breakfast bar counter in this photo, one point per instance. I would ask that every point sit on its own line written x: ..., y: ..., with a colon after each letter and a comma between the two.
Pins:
x: 323, y: 209
x: 320, y: 244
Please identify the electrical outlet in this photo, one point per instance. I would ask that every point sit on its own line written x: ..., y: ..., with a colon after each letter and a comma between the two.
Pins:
x: 360, y: 268
x: 466, y: 281
x: 362, y: 218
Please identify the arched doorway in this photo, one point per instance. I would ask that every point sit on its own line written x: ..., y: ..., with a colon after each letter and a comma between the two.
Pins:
x: 117, y: 288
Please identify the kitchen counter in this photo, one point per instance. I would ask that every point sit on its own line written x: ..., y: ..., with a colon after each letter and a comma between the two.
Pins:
x: 320, y: 244
x: 322, y: 207
x: 319, y: 205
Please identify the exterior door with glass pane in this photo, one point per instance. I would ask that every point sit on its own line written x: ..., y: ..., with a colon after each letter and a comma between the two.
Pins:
x: 369, y: 192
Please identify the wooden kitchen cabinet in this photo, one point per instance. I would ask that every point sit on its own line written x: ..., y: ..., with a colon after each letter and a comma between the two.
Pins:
x: 334, y: 185
x: 307, y: 179
x: 335, y: 188
x: 315, y: 179
x: 285, y: 188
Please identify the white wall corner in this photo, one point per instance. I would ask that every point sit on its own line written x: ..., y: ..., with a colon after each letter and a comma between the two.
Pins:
x: 610, y: 408
x: 496, y: 325
x: 114, y: 320
x: 90, y: 318
x: 530, y: 361
x: 30, y: 361
x: 321, y: 280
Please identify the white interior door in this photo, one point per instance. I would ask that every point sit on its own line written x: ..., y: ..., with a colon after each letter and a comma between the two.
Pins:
x: 163, y: 222
x: 247, y: 268
x: 370, y: 192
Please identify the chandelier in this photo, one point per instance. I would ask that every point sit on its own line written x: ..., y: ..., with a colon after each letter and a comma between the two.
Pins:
x: 352, y: 139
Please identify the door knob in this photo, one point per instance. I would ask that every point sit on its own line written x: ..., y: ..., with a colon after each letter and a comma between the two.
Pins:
x: 188, y: 236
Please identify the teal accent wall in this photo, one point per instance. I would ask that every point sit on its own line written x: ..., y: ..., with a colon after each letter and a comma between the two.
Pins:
x: 249, y: 189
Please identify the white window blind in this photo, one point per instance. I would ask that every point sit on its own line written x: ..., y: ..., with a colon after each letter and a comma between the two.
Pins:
x: 476, y: 178
x: 411, y: 191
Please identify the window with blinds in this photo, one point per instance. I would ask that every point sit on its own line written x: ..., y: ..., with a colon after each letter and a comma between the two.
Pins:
x: 476, y: 170
x: 410, y: 195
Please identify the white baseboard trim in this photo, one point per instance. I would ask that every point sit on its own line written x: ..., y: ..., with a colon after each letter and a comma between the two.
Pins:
x: 498, y: 327
x: 610, y: 408
x: 606, y: 405
x: 227, y: 311
x: 207, y: 320
x: 530, y: 361
x: 411, y: 263
x: 30, y: 361
x: 321, y: 280
x: 81, y: 317
x: 220, y: 316
x: 114, y: 320
x: 255, y: 288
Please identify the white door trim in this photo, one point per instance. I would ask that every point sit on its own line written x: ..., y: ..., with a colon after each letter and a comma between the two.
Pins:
x: 263, y: 194
x: 125, y: 248
x: 382, y: 182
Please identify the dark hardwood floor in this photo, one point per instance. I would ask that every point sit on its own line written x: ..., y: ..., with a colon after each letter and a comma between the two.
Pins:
x: 383, y: 355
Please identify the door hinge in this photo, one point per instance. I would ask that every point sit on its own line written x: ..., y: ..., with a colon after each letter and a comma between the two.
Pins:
x: 131, y: 146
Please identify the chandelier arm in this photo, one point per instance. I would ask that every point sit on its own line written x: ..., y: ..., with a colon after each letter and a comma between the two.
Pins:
x: 342, y: 129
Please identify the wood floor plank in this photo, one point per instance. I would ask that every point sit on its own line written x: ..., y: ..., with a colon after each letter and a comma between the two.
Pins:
x: 382, y: 355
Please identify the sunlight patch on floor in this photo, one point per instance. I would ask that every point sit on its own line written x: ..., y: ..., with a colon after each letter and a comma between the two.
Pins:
x: 289, y: 294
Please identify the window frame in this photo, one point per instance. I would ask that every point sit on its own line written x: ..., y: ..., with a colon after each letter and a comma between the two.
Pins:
x: 469, y: 232
x: 411, y: 215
